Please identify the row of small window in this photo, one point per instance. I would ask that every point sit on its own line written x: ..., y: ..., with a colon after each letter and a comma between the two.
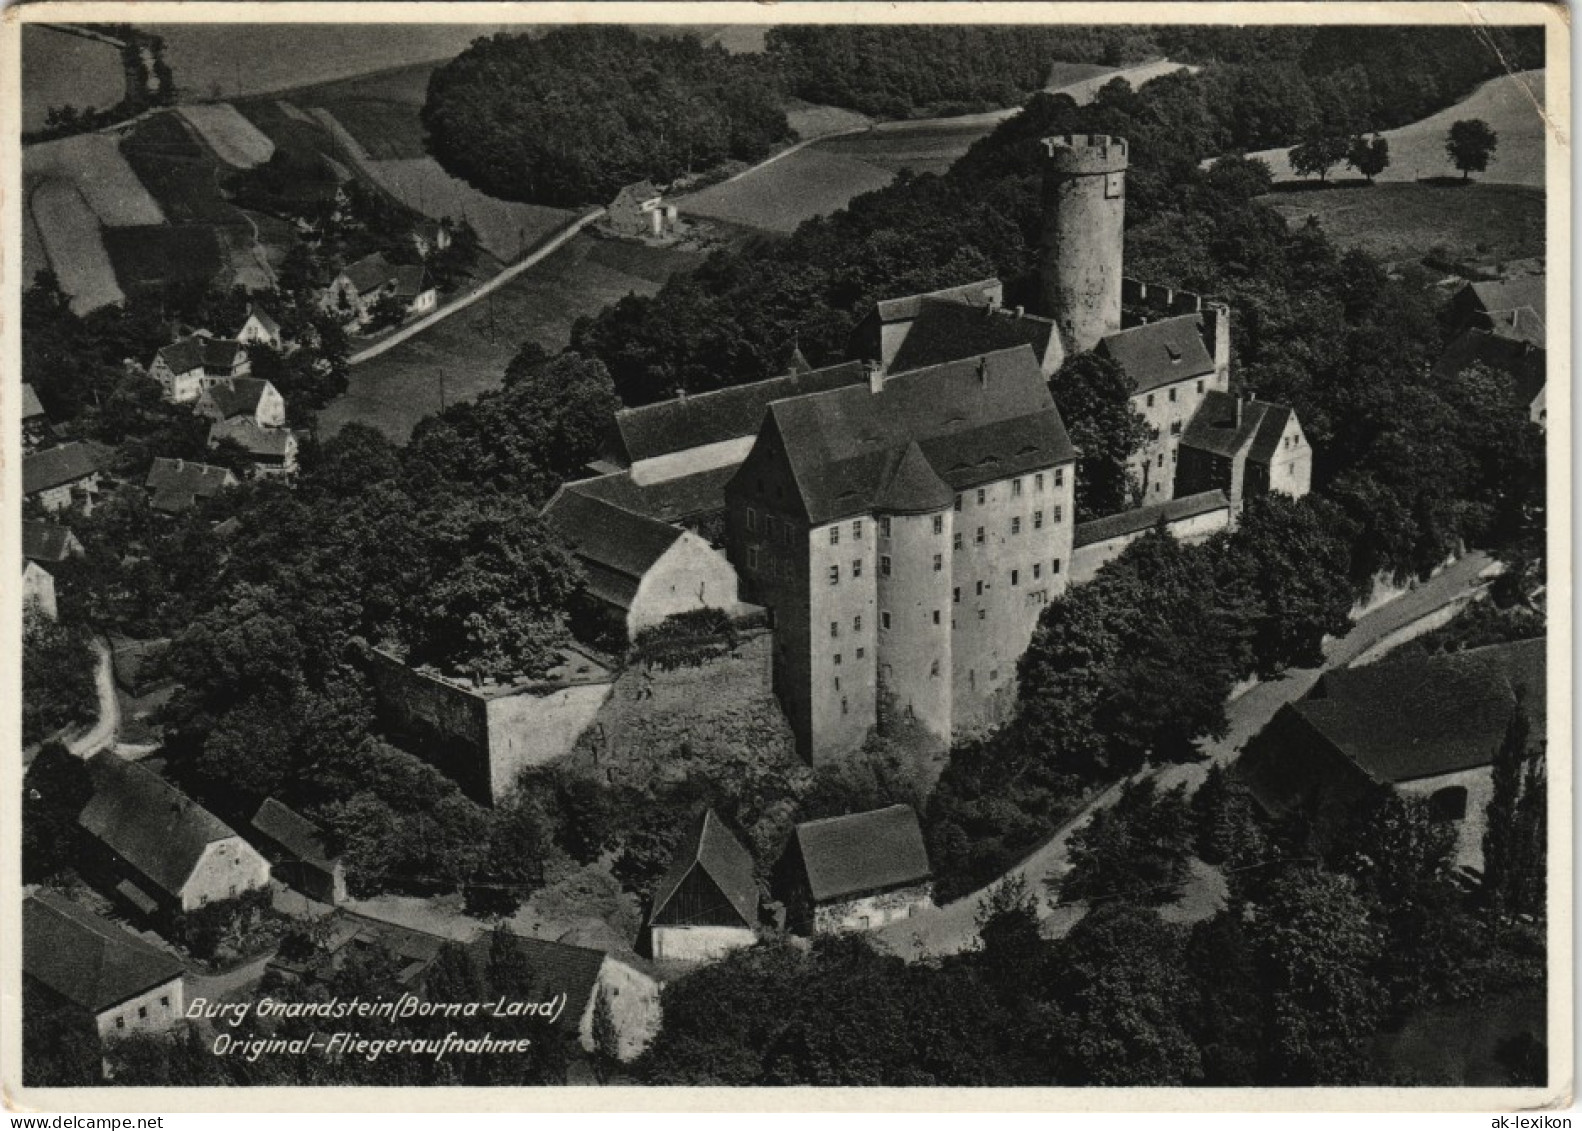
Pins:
x: 785, y: 530
x: 142, y: 1011
x: 1172, y: 394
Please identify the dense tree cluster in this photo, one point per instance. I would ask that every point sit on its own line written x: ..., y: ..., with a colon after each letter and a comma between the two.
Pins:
x: 570, y: 118
x: 57, y: 676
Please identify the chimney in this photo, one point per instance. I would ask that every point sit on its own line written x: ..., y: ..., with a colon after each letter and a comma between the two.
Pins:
x: 875, y: 375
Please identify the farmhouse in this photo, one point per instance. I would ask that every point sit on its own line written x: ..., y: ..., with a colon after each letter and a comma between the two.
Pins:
x: 1512, y: 307
x: 44, y: 544
x: 640, y: 210
x: 273, y: 451
x: 857, y: 872
x: 176, y: 485
x: 261, y: 329
x: 123, y: 984
x: 183, y: 367
x: 156, y: 848
x: 360, y: 285
x: 1426, y: 727
x: 63, y: 476
x: 707, y: 903
x: 298, y: 854
x: 250, y: 399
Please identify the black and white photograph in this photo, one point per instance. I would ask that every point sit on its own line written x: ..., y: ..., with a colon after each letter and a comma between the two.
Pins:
x: 772, y: 547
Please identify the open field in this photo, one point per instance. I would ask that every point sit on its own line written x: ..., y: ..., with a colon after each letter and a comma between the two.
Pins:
x: 379, y: 110
x: 178, y: 171
x: 234, y: 139
x: 61, y: 69
x: 1512, y: 104
x: 164, y: 253
x: 1397, y: 222
x: 395, y: 390
x: 1062, y: 75
x: 809, y: 121
x: 924, y: 148
x: 808, y: 183
x: 72, y: 243
x: 94, y: 164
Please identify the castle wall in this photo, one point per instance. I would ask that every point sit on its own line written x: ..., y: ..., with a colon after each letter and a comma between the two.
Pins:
x: 914, y: 590
x: 529, y: 729
x: 1089, y: 559
x: 1080, y: 253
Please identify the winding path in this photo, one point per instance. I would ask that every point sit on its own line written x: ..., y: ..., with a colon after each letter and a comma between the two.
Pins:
x: 109, y: 723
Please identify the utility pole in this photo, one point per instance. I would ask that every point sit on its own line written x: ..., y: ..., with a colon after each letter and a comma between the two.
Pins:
x: 442, y: 390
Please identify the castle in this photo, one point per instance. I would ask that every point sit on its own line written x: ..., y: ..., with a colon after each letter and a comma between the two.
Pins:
x: 906, y: 516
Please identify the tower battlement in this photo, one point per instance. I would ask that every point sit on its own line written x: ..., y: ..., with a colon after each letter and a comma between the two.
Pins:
x: 1087, y: 153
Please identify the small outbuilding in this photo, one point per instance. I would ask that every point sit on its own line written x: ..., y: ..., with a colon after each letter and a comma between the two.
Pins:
x: 707, y: 904
x: 298, y: 852
x: 857, y: 872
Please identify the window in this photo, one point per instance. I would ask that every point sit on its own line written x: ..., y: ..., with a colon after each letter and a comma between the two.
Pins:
x: 752, y: 519
x: 769, y: 527
x: 1150, y: 400
x: 120, y: 1022
x: 884, y: 621
x: 786, y: 532
x: 978, y: 538
x: 1038, y: 570
x: 955, y: 595
x: 884, y: 565
x: 843, y: 707
x: 994, y: 674
x: 861, y: 652
x: 939, y: 524
x: 981, y: 614
x: 958, y: 501
x: 1038, y: 520
x: 834, y: 575
x: 936, y: 616
x: 856, y: 567
x: 1200, y: 386
x: 1060, y: 477
x: 834, y: 536
x: 834, y: 628
x: 1055, y: 568
x: 1016, y: 524
x: 1448, y: 804
x: 1175, y: 428
x: 955, y: 540
x: 1015, y: 576
x: 752, y: 558
x: 837, y: 683
x: 1161, y: 459
x: 939, y: 562
x: 164, y: 1000
x: 980, y: 588
x: 1038, y: 481
x: 856, y: 624
x: 933, y: 668
x: 982, y: 495
x: 837, y: 659
x: 884, y: 526
x: 1172, y: 395
x: 1016, y: 488
x: 1038, y: 597
x: 142, y: 1011
x: 1058, y: 514
x: 856, y: 530
x: 1173, y: 455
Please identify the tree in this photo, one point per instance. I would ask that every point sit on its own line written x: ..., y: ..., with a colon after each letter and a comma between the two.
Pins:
x: 57, y: 676
x: 60, y: 1048
x: 1135, y: 850
x: 1515, y: 837
x: 1317, y: 156
x: 55, y: 788
x: 1470, y: 143
x: 387, y: 310
x: 1370, y: 156
x: 1093, y: 394
x: 1228, y: 828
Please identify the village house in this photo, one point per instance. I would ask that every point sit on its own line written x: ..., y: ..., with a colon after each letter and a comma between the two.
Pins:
x: 44, y: 544
x: 273, y: 451
x: 298, y: 854
x: 183, y: 367
x: 1421, y: 726
x: 176, y: 485
x: 640, y: 210
x: 36, y: 429
x: 429, y: 237
x: 857, y: 872
x: 260, y: 329
x: 707, y: 903
x: 356, y: 290
x: 63, y: 476
x: 250, y: 399
x: 1511, y: 307
x: 1245, y: 448
x: 158, y: 850
x: 124, y: 985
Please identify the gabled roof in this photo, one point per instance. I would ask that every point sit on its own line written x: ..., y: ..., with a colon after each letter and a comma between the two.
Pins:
x: 369, y: 273
x: 862, y: 852
x: 47, y: 542
x: 264, y: 319
x: 258, y: 441
x: 199, y: 351
x: 1526, y: 363
x: 1513, y: 293
x: 616, y: 547
x: 1267, y: 441
x: 58, y: 466
x: 410, y: 280
x: 553, y: 968
x: 711, y: 846
x: 1214, y: 427
x: 149, y: 823
x: 727, y: 414
x: 86, y: 959
x: 975, y: 421
x: 1420, y: 717
x: 668, y: 500
x: 179, y: 484
x: 238, y: 396
x: 1145, y: 518
x: 31, y: 405
x: 1160, y: 353
x: 981, y: 293
x: 293, y: 832
x: 948, y: 330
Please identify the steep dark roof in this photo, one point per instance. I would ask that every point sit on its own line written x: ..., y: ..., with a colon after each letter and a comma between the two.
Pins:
x: 56, y: 467
x: 87, y: 959
x: 148, y: 822
x: 410, y: 280
x: 1270, y: 429
x: 982, y: 292
x: 1144, y: 518
x: 862, y: 852
x: 238, y: 396
x: 1421, y: 717
x: 950, y: 330
x: 553, y: 968
x: 711, y: 846
x: 910, y: 485
x: 264, y: 319
x: 709, y: 418
x: 199, y: 351
x: 179, y: 484
x: 975, y: 420
x: 31, y: 405
x: 293, y: 832
x: 47, y: 542
x: 1526, y: 363
x: 1160, y: 353
x: 1512, y: 293
x: 1214, y: 428
x: 669, y: 500
x: 257, y: 441
x: 369, y: 273
x: 616, y: 546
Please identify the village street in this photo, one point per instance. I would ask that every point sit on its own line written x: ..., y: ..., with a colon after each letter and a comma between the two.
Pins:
x: 953, y: 927
x: 109, y: 721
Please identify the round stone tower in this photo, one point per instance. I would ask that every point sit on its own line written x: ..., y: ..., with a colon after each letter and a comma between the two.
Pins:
x: 1079, y: 267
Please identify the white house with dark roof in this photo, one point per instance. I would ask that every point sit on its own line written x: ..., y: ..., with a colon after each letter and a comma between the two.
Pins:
x: 273, y: 451
x: 35, y: 422
x: 177, y: 485
x: 299, y: 853
x: 61, y: 476
x: 858, y: 872
x: 260, y: 328
x: 1513, y: 307
x: 252, y: 399
x: 707, y: 903
x: 182, y: 367
x: 44, y: 544
x: 125, y: 985
x: 156, y: 848
x: 360, y: 285
x: 1245, y: 448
